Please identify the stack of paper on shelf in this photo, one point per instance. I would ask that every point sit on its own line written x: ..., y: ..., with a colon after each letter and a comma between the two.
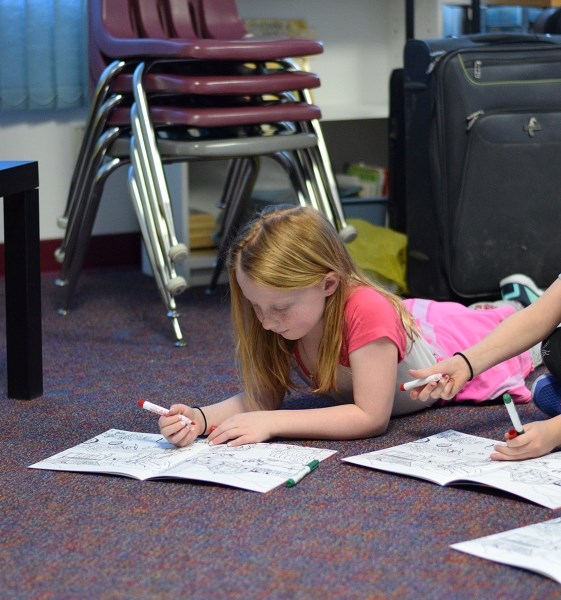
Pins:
x: 202, y: 226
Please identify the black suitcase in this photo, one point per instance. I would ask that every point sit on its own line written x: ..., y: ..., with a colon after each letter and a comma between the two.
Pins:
x: 482, y: 163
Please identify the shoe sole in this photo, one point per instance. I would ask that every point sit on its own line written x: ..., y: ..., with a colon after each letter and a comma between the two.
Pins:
x: 546, y: 393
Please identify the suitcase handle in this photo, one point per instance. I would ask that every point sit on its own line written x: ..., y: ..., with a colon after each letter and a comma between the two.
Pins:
x: 512, y: 38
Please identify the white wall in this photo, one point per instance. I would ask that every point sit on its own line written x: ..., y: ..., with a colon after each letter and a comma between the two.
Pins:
x: 359, y: 38
x: 53, y: 140
x: 363, y: 42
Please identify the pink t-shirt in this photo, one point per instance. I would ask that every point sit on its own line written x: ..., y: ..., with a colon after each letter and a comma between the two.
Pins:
x: 369, y: 316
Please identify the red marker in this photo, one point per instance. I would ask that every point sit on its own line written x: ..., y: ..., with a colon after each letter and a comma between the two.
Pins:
x: 160, y: 410
x: 518, y: 427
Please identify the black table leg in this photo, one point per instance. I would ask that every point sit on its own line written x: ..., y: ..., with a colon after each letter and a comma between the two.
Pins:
x: 23, y: 294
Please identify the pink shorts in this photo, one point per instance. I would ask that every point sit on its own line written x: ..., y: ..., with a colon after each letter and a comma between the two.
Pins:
x: 450, y: 327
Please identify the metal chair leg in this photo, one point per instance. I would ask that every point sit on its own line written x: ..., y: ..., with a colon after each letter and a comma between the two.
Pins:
x: 155, y: 261
x: 73, y: 235
x: 91, y: 133
x: 175, y: 284
x: 236, y: 195
x: 73, y: 261
x: 177, y: 251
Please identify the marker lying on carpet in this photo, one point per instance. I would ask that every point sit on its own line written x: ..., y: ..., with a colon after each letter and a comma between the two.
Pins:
x: 160, y: 410
x: 409, y: 385
x: 510, y: 406
x: 311, y: 466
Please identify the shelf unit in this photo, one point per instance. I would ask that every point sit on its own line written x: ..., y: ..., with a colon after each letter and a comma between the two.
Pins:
x: 363, y: 42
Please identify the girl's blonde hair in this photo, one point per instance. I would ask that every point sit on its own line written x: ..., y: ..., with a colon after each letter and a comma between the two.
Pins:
x: 287, y: 249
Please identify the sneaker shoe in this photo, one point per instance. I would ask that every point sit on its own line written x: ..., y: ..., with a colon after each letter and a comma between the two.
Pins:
x: 546, y: 393
x: 520, y: 288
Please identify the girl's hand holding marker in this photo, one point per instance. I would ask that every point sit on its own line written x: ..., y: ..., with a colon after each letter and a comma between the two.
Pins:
x: 160, y: 410
x: 409, y: 385
x: 513, y: 414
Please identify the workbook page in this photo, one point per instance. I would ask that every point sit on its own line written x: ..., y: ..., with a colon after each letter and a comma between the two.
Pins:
x: 255, y: 467
x: 453, y: 457
x: 117, y: 452
x: 534, y: 547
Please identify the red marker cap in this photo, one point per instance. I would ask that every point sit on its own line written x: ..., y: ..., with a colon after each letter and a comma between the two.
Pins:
x: 512, y: 433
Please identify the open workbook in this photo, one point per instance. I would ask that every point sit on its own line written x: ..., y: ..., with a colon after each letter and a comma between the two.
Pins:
x: 452, y: 457
x: 255, y: 467
x: 534, y: 547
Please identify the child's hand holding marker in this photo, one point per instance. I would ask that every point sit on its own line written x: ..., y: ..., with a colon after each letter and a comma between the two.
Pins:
x: 513, y: 414
x: 177, y: 423
x: 160, y: 410
x: 415, y: 383
x: 527, y: 441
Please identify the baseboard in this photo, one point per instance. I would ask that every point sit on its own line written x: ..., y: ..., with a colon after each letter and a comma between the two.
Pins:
x: 116, y: 250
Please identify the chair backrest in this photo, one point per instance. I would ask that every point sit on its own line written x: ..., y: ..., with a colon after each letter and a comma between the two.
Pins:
x: 129, y: 19
x: 183, y: 19
x: 116, y: 17
x: 136, y: 29
x: 107, y: 19
x: 221, y: 20
x: 151, y: 18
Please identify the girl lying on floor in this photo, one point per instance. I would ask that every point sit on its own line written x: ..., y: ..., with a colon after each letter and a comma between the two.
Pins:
x: 300, y: 305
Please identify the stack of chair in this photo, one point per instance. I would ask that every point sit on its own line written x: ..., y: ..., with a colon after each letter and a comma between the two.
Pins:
x: 166, y: 94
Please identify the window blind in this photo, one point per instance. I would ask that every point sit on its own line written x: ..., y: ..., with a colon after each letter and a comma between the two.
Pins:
x: 43, y: 54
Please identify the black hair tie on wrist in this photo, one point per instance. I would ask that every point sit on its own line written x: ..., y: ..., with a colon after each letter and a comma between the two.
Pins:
x: 203, y: 415
x: 467, y: 363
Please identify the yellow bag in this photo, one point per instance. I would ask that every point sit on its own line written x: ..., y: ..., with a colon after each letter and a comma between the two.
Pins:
x: 380, y: 253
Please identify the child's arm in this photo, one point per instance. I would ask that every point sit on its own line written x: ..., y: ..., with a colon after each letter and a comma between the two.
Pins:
x: 539, y: 438
x: 514, y: 335
x: 374, y: 379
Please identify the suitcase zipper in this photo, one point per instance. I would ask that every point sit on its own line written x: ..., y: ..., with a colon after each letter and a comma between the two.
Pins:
x: 477, y: 69
x: 494, y: 62
x: 471, y: 119
x: 475, y: 66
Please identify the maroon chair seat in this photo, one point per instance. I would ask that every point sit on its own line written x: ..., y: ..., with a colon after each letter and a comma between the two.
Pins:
x: 243, y: 85
x: 229, y: 116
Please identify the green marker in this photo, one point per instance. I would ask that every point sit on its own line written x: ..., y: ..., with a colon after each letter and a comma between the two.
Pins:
x: 518, y: 428
x: 312, y: 466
